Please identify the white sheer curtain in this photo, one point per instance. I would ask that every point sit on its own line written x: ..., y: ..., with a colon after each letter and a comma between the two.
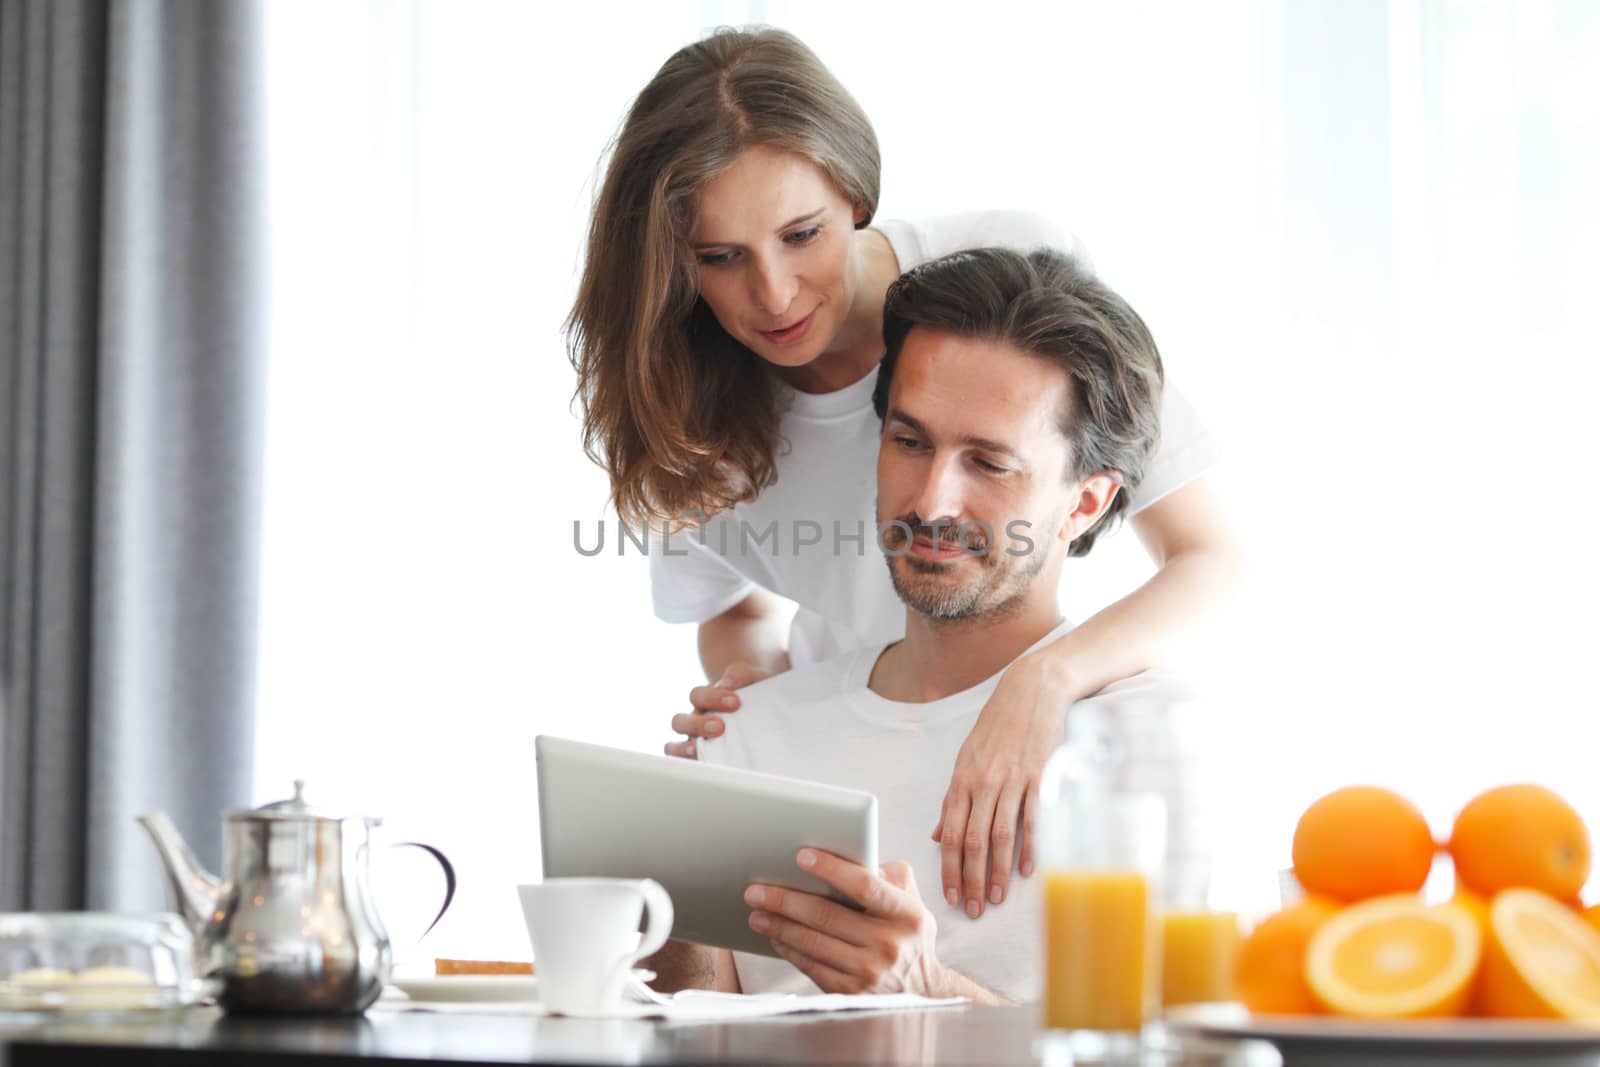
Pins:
x: 1360, y: 232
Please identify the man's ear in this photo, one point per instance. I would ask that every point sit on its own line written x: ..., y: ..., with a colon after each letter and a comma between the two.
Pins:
x: 1094, y: 495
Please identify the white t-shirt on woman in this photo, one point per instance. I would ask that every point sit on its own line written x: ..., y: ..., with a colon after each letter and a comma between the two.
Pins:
x: 827, y: 486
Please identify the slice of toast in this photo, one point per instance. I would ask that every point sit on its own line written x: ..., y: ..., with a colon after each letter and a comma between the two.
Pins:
x: 443, y: 967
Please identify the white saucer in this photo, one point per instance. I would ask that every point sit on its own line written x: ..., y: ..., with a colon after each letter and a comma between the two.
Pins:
x: 470, y: 988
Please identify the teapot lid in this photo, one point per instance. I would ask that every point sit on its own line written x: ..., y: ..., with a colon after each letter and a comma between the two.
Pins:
x: 294, y: 807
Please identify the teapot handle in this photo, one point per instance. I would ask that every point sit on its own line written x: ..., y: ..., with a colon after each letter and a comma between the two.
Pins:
x: 449, y: 879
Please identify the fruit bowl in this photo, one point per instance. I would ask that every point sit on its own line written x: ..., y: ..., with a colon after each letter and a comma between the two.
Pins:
x: 1303, y: 1032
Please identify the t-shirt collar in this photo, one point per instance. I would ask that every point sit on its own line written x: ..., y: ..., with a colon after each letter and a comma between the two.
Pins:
x: 880, y: 709
x: 847, y: 401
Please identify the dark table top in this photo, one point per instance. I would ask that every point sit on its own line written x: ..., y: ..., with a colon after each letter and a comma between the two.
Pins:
x: 968, y: 1037
x: 957, y: 1037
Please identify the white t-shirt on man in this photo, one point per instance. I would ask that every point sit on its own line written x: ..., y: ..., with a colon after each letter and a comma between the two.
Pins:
x: 821, y: 723
x: 826, y: 487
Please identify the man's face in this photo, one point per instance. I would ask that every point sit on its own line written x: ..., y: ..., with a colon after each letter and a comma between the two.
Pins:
x: 972, y: 434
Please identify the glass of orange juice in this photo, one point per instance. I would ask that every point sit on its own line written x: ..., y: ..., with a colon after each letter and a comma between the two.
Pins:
x: 1100, y: 854
x: 1199, y: 951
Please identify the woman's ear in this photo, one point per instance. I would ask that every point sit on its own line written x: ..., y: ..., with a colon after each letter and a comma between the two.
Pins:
x: 862, y: 214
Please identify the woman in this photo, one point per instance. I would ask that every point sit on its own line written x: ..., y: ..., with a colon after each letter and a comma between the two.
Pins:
x: 726, y: 332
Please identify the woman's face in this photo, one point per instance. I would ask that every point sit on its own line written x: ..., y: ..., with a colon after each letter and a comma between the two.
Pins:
x: 774, y: 242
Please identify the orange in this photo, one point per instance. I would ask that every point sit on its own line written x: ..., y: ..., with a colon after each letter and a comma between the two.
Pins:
x: 1542, y: 960
x: 1395, y: 957
x: 1521, y: 836
x: 1270, y: 977
x: 1473, y: 903
x: 1361, y: 842
x: 1591, y: 915
x: 1476, y: 905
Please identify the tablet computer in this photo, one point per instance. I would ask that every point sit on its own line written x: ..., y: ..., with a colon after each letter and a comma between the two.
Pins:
x: 704, y: 832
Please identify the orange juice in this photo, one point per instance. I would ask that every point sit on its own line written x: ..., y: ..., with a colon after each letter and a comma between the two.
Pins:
x: 1102, y: 950
x: 1199, y: 950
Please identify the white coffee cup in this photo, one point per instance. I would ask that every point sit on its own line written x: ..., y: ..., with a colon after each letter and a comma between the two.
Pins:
x: 585, y: 937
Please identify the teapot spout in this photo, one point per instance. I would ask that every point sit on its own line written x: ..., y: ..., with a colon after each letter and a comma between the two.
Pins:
x: 192, y: 891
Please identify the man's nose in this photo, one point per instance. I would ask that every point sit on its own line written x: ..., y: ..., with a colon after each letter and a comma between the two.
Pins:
x: 940, y: 494
x: 773, y: 288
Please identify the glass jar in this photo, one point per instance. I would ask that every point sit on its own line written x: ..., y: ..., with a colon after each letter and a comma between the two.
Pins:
x: 1120, y: 846
x: 1101, y: 850
x: 95, y: 962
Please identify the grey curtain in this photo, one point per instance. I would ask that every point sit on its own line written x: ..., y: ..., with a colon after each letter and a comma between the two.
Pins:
x: 132, y: 356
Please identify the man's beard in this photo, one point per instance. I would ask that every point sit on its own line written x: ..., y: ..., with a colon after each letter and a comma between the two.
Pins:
x: 925, y: 586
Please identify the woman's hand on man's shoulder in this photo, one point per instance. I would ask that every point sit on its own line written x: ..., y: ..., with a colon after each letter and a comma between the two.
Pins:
x: 709, y: 703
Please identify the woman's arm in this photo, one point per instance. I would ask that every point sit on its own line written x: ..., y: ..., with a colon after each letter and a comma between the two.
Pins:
x: 1200, y: 563
x: 744, y: 644
x: 751, y: 632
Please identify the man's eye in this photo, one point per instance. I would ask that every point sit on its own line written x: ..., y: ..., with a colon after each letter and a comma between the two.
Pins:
x: 802, y: 237
x: 908, y: 443
x: 990, y: 467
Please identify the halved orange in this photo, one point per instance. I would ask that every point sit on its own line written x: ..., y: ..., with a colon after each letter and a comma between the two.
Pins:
x: 1542, y: 960
x: 1395, y: 957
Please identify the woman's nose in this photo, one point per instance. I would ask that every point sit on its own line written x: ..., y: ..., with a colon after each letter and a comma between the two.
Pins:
x: 773, y: 289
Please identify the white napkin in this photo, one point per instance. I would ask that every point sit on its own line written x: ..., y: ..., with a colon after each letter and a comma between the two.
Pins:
x: 703, y: 1005
x: 690, y: 1005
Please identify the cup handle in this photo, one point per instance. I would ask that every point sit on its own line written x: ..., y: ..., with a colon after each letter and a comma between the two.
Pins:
x: 658, y: 922
x: 449, y: 879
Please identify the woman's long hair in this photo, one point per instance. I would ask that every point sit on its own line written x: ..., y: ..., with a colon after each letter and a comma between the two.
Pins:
x: 683, y: 417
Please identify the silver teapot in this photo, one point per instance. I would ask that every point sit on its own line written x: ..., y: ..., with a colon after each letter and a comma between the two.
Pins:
x: 292, y: 927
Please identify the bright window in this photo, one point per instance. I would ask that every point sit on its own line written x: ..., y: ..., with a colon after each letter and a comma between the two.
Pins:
x: 1362, y: 234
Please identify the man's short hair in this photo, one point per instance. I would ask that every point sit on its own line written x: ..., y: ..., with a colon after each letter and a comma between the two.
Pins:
x: 1047, y: 305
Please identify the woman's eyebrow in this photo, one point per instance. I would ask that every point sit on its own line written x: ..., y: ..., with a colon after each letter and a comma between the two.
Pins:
x: 797, y: 220
x: 807, y: 217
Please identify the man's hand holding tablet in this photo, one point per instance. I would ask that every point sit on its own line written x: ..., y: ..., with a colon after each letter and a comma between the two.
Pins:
x: 886, y: 948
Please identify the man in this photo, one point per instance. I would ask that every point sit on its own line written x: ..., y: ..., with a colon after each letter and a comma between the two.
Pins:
x: 1019, y: 399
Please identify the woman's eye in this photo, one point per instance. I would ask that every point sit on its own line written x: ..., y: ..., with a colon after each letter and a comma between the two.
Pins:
x: 802, y: 237
x: 716, y: 259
